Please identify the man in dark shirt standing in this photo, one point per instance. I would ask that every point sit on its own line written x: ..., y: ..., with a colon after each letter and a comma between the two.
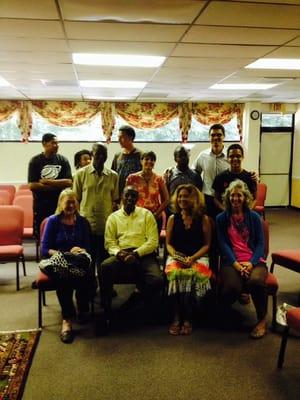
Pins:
x: 48, y: 174
x: 235, y: 156
x: 128, y: 161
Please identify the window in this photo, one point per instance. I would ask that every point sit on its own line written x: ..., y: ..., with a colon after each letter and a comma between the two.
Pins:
x: 89, y: 132
x: 9, y: 130
x: 199, y: 132
x: 168, y: 133
x: 277, y: 120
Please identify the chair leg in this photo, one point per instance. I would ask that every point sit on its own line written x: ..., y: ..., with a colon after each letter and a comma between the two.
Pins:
x: 44, y: 297
x: 37, y: 255
x: 282, y: 348
x: 23, y: 263
x: 17, y: 275
x: 274, y: 309
x: 272, y: 267
x: 41, y: 295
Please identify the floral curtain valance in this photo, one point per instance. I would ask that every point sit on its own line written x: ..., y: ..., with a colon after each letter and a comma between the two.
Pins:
x: 147, y: 115
x: 7, y: 108
x: 218, y: 113
x: 139, y: 115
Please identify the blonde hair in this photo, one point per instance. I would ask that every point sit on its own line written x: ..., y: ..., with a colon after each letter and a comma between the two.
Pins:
x: 197, y: 200
x: 65, y: 193
x: 237, y: 184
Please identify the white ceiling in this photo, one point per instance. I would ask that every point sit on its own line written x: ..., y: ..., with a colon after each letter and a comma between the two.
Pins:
x: 204, y: 42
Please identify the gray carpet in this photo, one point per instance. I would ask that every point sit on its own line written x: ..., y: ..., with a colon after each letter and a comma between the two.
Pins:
x: 140, y: 360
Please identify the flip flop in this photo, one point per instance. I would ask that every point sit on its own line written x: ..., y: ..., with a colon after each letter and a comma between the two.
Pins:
x: 258, y: 331
x: 174, y: 328
x: 186, y: 329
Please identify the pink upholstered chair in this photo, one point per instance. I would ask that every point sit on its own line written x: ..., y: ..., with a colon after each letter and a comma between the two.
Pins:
x: 293, y: 321
x: 11, y: 189
x: 25, y: 202
x: 286, y: 258
x: 5, y: 198
x: 11, y: 234
x: 261, y: 195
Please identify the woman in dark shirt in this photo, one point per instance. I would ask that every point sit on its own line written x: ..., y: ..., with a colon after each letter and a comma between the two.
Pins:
x: 188, y: 241
x: 67, y: 231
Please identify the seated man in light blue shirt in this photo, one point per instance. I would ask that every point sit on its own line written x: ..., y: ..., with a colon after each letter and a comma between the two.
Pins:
x: 131, y: 240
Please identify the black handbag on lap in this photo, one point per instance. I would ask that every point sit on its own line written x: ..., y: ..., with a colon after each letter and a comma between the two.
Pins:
x: 66, y: 265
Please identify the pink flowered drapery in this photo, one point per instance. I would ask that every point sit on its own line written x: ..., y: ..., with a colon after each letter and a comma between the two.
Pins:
x: 147, y: 115
x: 277, y: 107
x: 7, y: 108
x: 67, y: 113
x: 218, y: 113
x: 185, y: 120
x: 108, y: 119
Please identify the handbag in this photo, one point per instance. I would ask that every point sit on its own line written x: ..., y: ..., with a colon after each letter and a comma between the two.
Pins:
x: 66, y: 265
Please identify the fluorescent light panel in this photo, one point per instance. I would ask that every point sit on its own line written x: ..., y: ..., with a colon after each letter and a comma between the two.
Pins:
x: 243, y: 86
x: 3, y: 82
x: 113, y: 84
x: 275, y: 63
x: 118, y: 60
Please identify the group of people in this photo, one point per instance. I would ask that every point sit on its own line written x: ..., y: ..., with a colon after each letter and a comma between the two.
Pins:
x: 116, y: 216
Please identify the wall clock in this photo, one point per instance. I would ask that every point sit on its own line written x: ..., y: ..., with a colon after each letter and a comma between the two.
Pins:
x: 254, y: 115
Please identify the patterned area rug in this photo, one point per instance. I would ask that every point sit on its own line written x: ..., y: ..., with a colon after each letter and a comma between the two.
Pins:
x: 16, y: 353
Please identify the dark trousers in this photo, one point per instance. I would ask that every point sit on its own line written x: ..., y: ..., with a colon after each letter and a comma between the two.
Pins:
x: 146, y: 274
x: 232, y: 285
x: 98, y: 252
x: 64, y: 291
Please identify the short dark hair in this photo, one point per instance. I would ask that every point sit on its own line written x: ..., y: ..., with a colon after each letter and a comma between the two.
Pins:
x: 149, y: 154
x: 179, y: 149
x: 47, y: 137
x: 217, y: 126
x: 128, y: 130
x: 235, y: 146
x: 77, y: 156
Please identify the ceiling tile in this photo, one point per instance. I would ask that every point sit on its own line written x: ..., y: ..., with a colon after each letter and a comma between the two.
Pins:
x: 285, y: 52
x: 38, y: 57
x: 212, y: 63
x: 33, y: 44
x: 170, y: 11
x: 45, y: 9
x: 246, y: 35
x: 146, y: 48
x: 206, y: 50
x: 246, y: 14
x: 114, y: 73
x: 123, y: 32
x: 30, y: 28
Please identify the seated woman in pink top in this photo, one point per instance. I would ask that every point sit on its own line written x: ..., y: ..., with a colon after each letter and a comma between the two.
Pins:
x: 241, y: 240
x: 153, y: 193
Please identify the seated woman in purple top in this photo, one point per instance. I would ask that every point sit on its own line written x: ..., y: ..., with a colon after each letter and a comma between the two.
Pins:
x: 67, y: 231
x: 241, y: 240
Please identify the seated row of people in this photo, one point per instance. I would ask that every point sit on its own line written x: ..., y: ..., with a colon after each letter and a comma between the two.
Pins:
x: 131, y: 240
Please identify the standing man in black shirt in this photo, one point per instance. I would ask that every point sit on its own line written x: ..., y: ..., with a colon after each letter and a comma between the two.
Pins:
x: 128, y: 161
x: 235, y: 156
x: 48, y: 174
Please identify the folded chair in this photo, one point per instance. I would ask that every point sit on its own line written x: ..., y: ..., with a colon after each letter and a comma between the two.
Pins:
x: 11, y: 234
x: 293, y: 321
